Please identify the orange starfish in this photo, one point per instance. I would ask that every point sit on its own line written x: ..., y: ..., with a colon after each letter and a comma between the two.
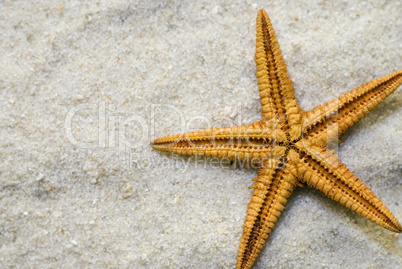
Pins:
x: 290, y: 146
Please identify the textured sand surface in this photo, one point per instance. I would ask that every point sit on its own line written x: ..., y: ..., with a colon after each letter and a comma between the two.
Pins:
x: 85, y: 87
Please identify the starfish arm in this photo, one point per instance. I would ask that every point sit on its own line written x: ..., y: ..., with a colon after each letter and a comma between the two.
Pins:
x: 271, y: 191
x: 276, y: 89
x: 248, y: 142
x: 322, y: 170
x: 325, y: 124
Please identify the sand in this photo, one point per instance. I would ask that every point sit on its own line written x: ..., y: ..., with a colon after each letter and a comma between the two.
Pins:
x: 85, y: 87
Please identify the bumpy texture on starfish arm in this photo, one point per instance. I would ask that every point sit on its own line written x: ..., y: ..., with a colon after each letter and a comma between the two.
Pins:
x: 328, y: 122
x: 321, y: 169
x: 277, y: 95
x: 290, y: 146
x: 254, y: 141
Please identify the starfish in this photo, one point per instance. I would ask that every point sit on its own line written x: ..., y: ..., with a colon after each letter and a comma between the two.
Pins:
x: 291, y: 147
